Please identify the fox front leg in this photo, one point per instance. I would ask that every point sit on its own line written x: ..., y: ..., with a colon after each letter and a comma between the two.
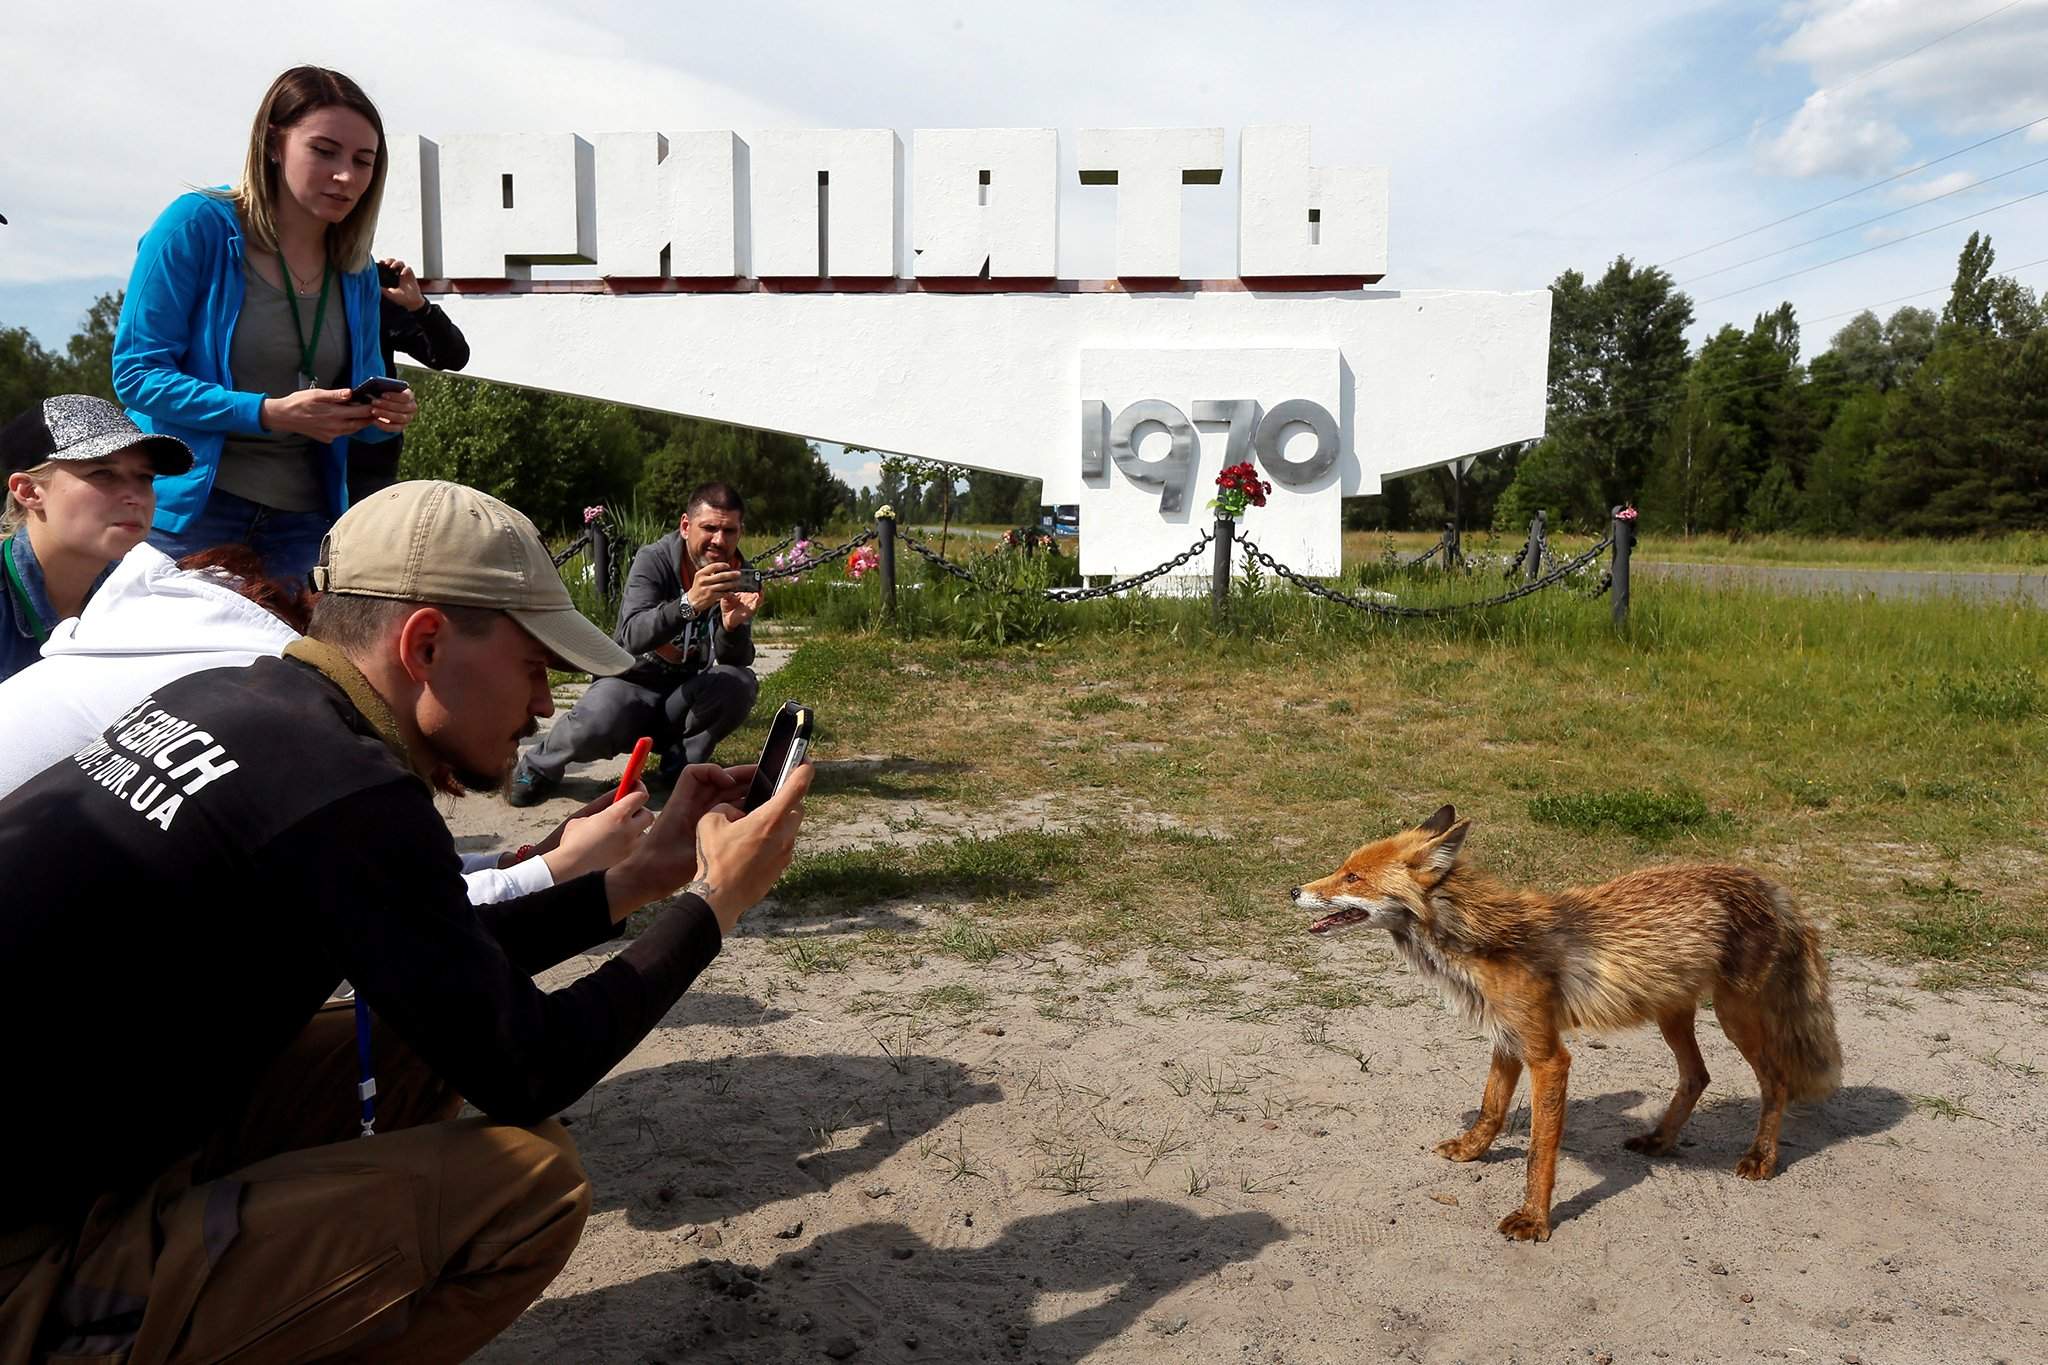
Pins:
x: 1548, y: 1070
x: 1501, y: 1080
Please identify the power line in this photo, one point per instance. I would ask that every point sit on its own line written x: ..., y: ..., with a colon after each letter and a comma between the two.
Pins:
x: 1736, y: 137
x: 1923, y: 293
x: 1794, y: 274
x: 1875, y: 184
x: 1934, y: 199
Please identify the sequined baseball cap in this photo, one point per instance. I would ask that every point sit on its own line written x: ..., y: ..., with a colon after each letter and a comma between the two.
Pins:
x: 77, y: 426
x: 431, y: 541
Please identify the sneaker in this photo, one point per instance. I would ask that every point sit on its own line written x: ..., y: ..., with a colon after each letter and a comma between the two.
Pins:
x: 527, y: 787
x: 671, y: 769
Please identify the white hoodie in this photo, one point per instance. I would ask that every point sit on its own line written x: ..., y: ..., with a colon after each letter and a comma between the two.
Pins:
x: 149, y: 624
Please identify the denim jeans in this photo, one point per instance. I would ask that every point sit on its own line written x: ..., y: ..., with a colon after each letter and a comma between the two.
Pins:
x: 287, y: 542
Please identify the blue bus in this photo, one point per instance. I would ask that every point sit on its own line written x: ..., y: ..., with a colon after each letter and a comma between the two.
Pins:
x: 1063, y: 520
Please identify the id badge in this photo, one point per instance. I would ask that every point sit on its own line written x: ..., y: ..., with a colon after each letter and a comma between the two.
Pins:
x: 305, y: 381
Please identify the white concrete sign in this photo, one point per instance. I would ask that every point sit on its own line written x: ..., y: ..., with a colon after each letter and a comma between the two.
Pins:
x: 1146, y: 403
x: 759, y: 279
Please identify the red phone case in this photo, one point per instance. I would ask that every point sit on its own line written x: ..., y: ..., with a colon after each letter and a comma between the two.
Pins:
x: 641, y: 748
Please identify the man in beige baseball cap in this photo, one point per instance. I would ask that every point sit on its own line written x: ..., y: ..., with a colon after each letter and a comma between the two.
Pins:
x: 252, y: 836
x: 433, y: 541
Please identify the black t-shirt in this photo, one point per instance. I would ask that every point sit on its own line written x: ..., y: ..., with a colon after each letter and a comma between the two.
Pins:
x: 180, y: 897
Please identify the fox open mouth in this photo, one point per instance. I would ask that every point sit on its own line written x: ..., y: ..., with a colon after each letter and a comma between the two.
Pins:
x: 1339, y: 920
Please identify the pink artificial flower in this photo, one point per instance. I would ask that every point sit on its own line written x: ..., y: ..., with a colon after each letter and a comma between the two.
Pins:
x: 591, y: 514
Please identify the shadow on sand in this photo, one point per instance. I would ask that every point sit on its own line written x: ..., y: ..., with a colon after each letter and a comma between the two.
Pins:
x: 1051, y: 1287
x: 1717, y: 1134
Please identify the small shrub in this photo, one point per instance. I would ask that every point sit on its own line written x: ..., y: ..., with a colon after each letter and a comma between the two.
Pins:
x: 1006, y: 602
x: 1642, y: 813
x: 1950, y: 922
x: 1097, y: 703
x: 967, y: 940
x: 2002, y: 694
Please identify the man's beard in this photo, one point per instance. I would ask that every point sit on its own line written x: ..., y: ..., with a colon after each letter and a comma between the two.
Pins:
x: 466, y: 780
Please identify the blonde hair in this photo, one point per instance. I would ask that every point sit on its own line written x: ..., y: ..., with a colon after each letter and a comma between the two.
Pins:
x: 15, y: 516
x: 293, y: 95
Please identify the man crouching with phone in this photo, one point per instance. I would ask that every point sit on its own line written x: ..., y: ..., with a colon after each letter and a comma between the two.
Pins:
x: 687, y: 616
x: 184, y: 895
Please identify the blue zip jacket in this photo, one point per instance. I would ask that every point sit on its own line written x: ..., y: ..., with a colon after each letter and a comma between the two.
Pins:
x: 171, y: 349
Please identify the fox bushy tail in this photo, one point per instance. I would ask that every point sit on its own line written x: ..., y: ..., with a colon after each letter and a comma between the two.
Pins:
x: 1795, y: 994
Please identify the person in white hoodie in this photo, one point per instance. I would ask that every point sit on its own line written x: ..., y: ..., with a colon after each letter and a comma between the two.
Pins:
x: 151, y: 623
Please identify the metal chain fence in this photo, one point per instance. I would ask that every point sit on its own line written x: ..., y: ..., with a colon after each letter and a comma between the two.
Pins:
x: 1344, y: 599
x: 1065, y: 594
x: 814, y: 561
x: 1136, y: 580
x: 773, y: 550
x: 934, y: 557
x: 572, y: 549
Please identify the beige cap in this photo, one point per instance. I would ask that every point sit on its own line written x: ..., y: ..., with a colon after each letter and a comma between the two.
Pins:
x: 433, y: 541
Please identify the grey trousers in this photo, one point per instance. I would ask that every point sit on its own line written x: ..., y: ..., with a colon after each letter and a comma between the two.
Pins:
x: 691, y: 716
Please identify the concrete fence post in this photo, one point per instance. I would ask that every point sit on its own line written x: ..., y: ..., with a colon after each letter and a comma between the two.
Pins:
x: 1219, y: 570
x: 601, y: 559
x: 885, y: 545
x: 1624, y: 542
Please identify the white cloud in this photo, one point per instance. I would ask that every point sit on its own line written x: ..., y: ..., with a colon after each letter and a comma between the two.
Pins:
x: 166, y: 103
x: 1875, y: 85
x: 1920, y: 191
x: 1521, y: 139
x: 1836, y: 135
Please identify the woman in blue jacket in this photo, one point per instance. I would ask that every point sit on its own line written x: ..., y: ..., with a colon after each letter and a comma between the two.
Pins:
x: 250, y: 316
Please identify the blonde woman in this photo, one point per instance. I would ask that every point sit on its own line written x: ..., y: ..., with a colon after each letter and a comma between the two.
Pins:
x: 79, y: 494
x: 251, y: 315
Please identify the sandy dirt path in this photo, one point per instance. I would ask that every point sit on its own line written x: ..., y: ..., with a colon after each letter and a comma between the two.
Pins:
x: 1074, y: 1164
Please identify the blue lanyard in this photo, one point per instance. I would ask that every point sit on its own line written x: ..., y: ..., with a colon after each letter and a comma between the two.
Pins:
x: 366, y: 1088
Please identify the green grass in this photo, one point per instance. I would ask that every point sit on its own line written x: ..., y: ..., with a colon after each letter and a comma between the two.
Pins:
x: 955, y: 998
x: 1992, y: 694
x: 1016, y: 863
x: 1829, y: 743
x: 1647, y: 815
x: 1951, y: 923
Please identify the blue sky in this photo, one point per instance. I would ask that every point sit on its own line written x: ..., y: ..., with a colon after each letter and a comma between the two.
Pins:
x: 1521, y: 139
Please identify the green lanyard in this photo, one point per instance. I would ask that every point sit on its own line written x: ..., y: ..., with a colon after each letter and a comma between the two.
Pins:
x: 308, y: 345
x: 28, y: 608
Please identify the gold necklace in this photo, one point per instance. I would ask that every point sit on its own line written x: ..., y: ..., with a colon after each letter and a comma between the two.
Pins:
x: 298, y: 284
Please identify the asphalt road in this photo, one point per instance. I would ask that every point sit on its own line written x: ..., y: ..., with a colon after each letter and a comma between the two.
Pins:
x: 2028, y: 587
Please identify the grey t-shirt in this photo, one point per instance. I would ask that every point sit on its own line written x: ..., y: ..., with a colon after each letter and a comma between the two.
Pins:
x: 275, y: 468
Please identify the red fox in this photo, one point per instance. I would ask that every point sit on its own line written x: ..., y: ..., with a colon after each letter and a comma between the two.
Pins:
x: 1643, y: 948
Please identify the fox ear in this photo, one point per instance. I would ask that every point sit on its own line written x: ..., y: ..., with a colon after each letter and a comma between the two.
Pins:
x: 1445, y: 817
x: 1441, y: 856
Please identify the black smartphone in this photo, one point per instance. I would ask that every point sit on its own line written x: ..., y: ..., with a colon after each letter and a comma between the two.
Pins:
x: 789, y: 739
x: 386, y: 277
x: 750, y: 581
x: 376, y: 387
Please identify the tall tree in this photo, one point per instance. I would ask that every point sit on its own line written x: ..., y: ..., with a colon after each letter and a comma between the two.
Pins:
x: 546, y: 454
x: 1970, y: 298
x: 88, y: 364
x: 1617, y: 354
x: 27, y: 372
x: 784, y: 479
x: 1845, y: 466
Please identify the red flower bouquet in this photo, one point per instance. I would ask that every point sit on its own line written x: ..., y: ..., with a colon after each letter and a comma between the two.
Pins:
x: 1237, y: 488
